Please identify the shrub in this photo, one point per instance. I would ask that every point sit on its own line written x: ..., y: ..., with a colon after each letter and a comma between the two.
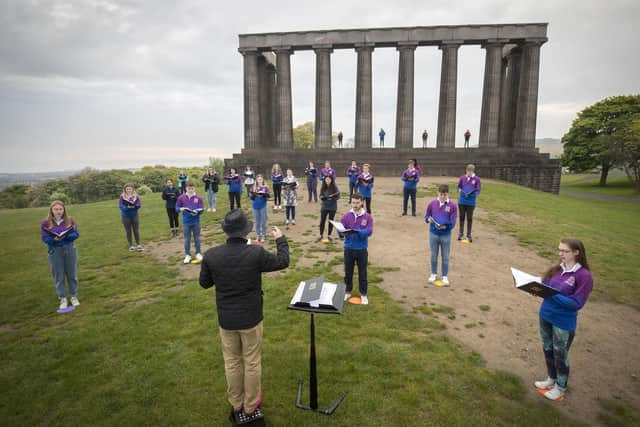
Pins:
x: 144, y: 189
x: 58, y: 195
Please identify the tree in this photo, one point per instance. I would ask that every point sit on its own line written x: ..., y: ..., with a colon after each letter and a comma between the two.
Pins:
x: 303, y: 135
x: 631, y: 152
x: 601, y: 136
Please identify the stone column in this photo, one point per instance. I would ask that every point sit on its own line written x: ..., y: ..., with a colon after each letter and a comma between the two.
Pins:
x: 272, y: 112
x: 509, y: 102
x: 526, y: 114
x: 284, y: 132
x: 364, y: 97
x: 448, y: 93
x: 265, y: 103
x: 490, y: 114
x: 251, y: 99
x: 323, y: 97
x: 404, y: 105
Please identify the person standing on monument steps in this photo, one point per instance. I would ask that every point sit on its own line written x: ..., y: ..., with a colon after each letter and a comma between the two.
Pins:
x: 381, y: 134
x: 425, y: 135
x: 467, y: 136
x: 469, y: 188
x: 559, y: 314
x: 340, y: 136
x: 235, y: 269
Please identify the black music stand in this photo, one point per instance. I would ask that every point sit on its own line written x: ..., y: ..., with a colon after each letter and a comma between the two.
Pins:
x: 310, y: 297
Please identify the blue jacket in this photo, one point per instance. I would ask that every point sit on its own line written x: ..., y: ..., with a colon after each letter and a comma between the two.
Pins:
x: 260, y: 197
x: 410, y: 177
x: 194, y: 203
x: 469, y: 188
x: 129, y: 208
x: 444, y: 215
x: 49, y: 238
x: 361, y: 226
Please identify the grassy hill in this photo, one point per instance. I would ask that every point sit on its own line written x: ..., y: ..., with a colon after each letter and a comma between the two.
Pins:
x: 143, y: 348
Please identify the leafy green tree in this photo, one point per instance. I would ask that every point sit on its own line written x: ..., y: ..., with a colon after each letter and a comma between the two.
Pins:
x: 14, y: 197
x: 631, y: 152
x: 303, y: 135
x: 602, y: 136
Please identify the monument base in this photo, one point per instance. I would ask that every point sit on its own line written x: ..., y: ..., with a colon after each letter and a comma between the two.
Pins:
x: 525, y: 167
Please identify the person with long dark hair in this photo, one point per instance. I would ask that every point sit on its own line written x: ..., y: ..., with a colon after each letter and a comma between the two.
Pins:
x: 559, y: 314
x: 311, y: 172
x: 170, y: 195
x: 329, y: 195
x: 234, y: 182
x: 276, y: 180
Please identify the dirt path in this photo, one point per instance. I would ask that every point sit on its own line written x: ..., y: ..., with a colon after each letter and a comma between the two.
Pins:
x: 604, y: 357
x: 610, y: 197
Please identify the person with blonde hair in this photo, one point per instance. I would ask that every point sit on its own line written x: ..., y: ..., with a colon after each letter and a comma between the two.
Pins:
x: 276, y: 180
x: 129, y: 204
x: 59, y: 232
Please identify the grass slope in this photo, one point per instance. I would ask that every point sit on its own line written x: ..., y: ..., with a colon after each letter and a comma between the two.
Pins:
x: 142, y: 350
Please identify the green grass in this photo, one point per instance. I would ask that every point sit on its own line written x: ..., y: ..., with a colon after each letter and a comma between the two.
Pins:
x: 617, y: 184
x: 143, y: 348
x: 608, y: 229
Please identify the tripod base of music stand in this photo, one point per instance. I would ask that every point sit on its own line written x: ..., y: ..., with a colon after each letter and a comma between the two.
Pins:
x: 329, y: 411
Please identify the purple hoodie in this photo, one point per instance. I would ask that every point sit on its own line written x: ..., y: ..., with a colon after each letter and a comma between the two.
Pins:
x: 575, y: 285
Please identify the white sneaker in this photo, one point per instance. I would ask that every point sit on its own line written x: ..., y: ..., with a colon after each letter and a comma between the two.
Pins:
x: 74, y: 301
x: 556, y: 393
x: 364, y: 300
x: 432, y: 278
x: 63, y: 303
x: 445, y: 280
x: 187, y: 259
x: 199, y: 257
x: 548, y: 383
x: 347, y: 296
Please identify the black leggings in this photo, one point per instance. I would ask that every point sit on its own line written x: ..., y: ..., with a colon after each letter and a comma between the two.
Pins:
x: 277, y: 194
x: 466, y: 210
x: 367, y: 201
x: 323, y: 219
x: 131, y: 223
x: 173, y: 218
x: 234, y: 196
x: 312, y: 189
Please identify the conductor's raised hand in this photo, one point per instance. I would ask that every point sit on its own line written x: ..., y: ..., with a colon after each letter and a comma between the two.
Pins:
x: 276, y: 233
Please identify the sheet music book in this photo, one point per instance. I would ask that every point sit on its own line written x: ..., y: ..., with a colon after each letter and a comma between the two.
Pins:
x: 316, y: 295
x: 531, y: 284
x: 193, y: 210
x: 129, y: 202
x: 434, y: 222
x: 60, y: 234
x: 339, y: 227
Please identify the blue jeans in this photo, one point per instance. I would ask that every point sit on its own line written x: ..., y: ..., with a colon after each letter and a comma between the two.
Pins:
x: 555, y: 344
x: 187, y: 229
x: 442, y: 243
x: 260, y: 215
x: 211, y: 199
x: 351, y: 257
x: 63, y: 261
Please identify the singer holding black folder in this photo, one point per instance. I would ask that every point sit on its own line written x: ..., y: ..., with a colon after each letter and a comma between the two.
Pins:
x: 235, y: 269
x: 329, y: 195
x: 129, y: 204
x: 59, y: 232
x: 559, y: 313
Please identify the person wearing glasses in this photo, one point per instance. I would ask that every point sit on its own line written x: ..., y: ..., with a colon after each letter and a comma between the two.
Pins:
x: 559, y: 313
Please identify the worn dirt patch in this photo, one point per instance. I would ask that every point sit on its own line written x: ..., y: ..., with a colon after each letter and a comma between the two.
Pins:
x: 487, y: 314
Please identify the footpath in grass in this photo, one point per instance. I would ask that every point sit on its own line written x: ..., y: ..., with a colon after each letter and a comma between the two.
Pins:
x: 142, y: 349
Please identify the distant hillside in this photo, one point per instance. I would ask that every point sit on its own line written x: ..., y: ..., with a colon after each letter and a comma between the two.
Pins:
x: 553, y: 146
x: 9, y: 179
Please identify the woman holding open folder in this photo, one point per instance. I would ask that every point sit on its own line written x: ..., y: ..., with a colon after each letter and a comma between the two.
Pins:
x: 558, y: 314
x: 129, y: 204
x: 58, y: 231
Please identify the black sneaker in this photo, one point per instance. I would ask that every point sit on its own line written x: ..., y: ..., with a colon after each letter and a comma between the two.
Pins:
x: 404, y: 214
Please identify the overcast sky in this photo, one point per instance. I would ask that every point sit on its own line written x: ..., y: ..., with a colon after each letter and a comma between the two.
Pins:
x: 117, y: 83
